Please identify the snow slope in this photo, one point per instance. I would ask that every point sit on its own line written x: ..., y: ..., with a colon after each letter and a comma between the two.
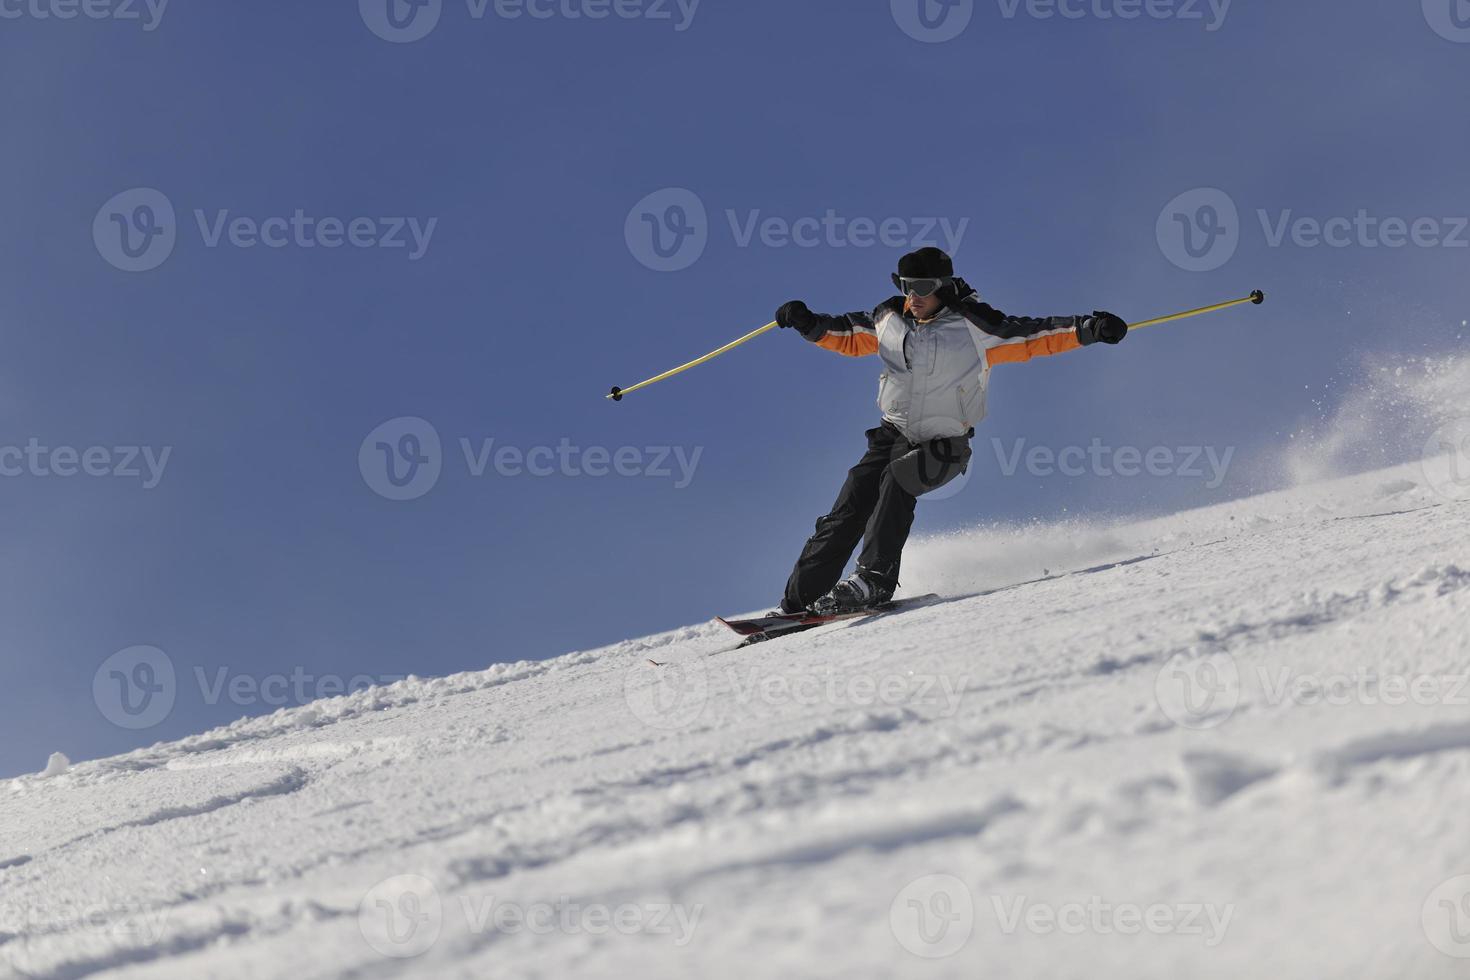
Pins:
x: 1122, y: 769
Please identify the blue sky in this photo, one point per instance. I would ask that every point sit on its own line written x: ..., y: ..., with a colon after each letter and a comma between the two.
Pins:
x: 458, y: 222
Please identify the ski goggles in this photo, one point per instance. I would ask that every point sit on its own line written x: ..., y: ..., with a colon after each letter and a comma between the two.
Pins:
x: 921, y: 288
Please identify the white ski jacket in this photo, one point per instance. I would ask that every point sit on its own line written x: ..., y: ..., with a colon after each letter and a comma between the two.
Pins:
x: 936, y: 372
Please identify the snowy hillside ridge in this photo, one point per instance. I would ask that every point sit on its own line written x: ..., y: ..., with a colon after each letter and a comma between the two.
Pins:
x: 1222, y: 742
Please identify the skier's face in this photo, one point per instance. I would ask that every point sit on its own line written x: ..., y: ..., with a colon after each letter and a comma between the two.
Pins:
x: 924, y: 307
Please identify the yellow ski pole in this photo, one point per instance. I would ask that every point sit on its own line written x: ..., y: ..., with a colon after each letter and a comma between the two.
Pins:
x: 1256, y: 297
x: 618, y: 393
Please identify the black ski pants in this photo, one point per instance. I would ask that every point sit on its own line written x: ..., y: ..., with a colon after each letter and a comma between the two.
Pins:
x: 876, y: 507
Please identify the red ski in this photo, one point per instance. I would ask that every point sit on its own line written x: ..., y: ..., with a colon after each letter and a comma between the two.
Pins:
x: 765, y: 628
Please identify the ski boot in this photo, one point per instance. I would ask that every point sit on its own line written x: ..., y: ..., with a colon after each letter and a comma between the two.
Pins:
x: 863, y: 590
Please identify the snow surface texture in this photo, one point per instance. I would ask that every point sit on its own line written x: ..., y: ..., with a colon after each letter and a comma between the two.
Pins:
x: 1232, y: 742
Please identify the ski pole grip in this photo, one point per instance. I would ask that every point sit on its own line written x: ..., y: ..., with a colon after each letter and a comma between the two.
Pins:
x: 1258, y: 297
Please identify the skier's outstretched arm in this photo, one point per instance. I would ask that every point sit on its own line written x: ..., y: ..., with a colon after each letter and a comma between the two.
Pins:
x: 851, y: 334
x: 1013, y: 339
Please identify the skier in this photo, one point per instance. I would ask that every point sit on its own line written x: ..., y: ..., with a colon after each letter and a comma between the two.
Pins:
x: 938, y: 342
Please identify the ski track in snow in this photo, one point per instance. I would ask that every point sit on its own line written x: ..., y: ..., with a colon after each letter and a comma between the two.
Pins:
x: 785, y: 799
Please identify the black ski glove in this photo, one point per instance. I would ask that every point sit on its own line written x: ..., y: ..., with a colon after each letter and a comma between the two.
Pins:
x: 796, y: 316
x: 1101, y: 328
